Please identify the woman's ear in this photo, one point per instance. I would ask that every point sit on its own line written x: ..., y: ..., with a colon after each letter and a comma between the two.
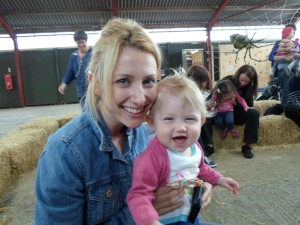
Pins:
x: 90, y: 77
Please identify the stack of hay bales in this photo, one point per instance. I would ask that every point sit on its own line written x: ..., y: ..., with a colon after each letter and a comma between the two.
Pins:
x: 273, y: 130
x: 277, y: 130
x: 263, y: 105
x: 20, y: 149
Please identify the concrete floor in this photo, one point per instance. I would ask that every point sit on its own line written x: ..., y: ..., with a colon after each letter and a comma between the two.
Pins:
x: 270, y: 182
x: 11, y: 118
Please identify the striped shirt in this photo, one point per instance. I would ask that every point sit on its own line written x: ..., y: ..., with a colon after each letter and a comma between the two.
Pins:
x: 286, y: 47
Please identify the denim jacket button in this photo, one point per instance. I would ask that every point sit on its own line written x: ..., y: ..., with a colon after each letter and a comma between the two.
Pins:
x: 109, y: 193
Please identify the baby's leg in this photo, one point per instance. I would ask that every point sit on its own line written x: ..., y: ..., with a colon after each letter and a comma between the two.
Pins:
x: 289, y: 68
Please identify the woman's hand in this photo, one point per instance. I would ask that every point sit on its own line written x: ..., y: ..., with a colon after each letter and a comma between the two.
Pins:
x: 167, y: 199
x: 206, y: 197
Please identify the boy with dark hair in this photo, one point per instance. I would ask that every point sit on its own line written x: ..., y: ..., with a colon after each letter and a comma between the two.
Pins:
x: 77, y: 67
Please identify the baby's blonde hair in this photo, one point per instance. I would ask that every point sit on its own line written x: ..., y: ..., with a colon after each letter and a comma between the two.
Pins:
x: 182, y: 87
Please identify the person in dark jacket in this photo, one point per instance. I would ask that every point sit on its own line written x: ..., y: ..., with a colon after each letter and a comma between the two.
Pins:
x: 292, y: 110
x: 245, y: 81
x: 77, y: 67
x: 280, y: 75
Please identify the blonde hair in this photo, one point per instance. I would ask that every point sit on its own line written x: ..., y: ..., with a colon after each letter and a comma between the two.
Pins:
x: 116, y: 35
x: 182, y: 87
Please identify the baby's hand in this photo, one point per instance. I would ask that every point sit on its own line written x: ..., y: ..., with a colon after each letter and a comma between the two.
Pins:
x: 230, y: 184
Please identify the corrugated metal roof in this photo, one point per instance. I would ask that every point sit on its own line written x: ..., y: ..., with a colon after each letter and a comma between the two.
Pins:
x: 19, y: 16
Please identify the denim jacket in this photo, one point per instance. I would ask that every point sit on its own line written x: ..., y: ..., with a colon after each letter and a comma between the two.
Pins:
x: 77, y: 70
x: 82, y: 178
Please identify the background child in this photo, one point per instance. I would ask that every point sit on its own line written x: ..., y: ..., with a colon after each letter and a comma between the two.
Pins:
x: 287, y: 47
x: 200, y: 75
x: 174, y: 157
x: 225, y: 96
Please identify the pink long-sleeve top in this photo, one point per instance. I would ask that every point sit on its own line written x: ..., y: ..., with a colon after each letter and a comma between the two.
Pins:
x: 228, y: 104
x: 150, y: 171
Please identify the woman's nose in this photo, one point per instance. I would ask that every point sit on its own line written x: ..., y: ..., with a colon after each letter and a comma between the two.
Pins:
x: 138, y: 95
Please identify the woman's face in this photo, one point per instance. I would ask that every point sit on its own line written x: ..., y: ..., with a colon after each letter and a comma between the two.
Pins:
x: 244, y: 80
x: 134, y: 89
x: 202, y: 85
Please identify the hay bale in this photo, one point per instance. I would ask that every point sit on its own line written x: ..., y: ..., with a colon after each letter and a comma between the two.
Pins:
x: 65, y: 119
x: 229, y: 142
x: 273, y: 130
x: 5, y: 169
x: 277, y: 130
x: 47, y: 124
x: 263, y: 105
x: 24, y: 148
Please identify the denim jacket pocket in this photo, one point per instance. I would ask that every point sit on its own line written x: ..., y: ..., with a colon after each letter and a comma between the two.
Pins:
x: 103, y: 201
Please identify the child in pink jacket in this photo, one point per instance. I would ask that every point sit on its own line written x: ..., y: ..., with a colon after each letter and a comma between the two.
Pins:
x: 173, y: 158
x: 225, y: 96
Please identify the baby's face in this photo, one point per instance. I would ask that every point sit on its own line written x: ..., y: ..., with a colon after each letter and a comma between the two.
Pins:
x: 176, y: 123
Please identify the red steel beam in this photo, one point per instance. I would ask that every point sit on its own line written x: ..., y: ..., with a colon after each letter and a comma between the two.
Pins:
x: 17, y: 59
x: 210, y: 26
x: 114, y: 7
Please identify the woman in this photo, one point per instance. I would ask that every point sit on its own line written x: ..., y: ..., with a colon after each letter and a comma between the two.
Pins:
x: 245, y: 81
x: 200, y: 76
x: 85, y: 170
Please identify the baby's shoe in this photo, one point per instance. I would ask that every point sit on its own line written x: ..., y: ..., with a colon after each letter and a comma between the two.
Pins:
x: 234, y: 133
x: 298, y: 73
x: 289, y: 68
x: 271, y: 72
x: 223, y: 133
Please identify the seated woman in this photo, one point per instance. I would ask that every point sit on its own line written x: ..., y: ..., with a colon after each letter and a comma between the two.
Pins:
x: 245, y: 82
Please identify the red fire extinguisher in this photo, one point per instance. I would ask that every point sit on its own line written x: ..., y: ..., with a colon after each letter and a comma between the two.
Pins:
x: 8, y: 81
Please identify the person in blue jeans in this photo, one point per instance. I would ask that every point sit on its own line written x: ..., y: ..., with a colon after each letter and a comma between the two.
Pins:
x: 77, y: 67
x: 85, y: 170
x: 281, y: 75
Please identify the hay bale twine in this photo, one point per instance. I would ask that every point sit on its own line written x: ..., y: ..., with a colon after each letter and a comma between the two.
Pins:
x: 48, y: 124
x: 263, y: 105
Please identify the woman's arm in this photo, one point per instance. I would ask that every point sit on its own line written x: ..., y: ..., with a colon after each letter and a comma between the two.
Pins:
x: 59, y: 191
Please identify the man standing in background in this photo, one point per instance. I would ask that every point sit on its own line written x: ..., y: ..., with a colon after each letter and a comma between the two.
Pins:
x: 77, y: 67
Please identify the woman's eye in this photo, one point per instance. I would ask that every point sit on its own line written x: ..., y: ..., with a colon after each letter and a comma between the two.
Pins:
x: 123, y: 81
x: 150, y: 82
